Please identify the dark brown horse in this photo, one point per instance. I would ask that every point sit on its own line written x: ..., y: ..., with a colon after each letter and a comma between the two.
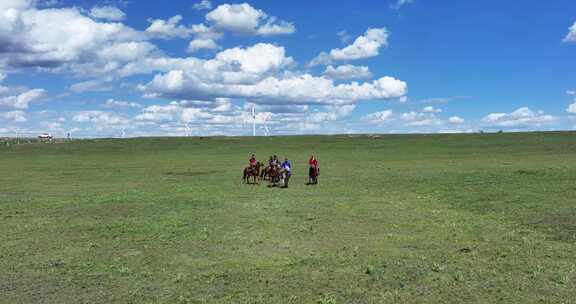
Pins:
x: 313, y: 174
x: 265, y: 174
x: 252, y: 171
x: 274, y: 174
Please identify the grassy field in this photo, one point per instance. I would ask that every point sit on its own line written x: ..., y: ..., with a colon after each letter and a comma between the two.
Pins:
x: 484, y: 218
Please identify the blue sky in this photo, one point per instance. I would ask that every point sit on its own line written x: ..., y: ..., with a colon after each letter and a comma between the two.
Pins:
x: 175, y: 68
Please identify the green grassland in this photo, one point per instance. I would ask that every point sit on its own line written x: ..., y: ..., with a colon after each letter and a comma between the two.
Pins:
x: 483, y: 218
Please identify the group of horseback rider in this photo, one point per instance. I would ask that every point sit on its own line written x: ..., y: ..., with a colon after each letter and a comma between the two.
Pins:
x: 276, y: 172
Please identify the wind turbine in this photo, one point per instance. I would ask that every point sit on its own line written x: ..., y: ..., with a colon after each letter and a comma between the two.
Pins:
x: 265, y: 124
x: 187, y: 129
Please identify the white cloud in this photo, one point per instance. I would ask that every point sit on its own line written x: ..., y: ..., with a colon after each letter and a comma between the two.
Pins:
x: 431, y: 109
x: 456, y: 120
x: 378, y: 117
x: 572, y: 108
x: 220, y: 112
x: 365, y: 46
x: 168, y: 29
x: 172, y: 29
x: 64, y: 40
x: 119, y: 104
x: 231, y: 66
x: 259, y: 58
x: 100, y: 118
x: 273, y: 27
x: 344, y: 36
x: 400, y: 3
x: 279, y: 108
x: 493, y: 117
x: 98, y: 85
x: 49, y: 3
x: 348, y: 72
x: 203, y: 5
x: 160, y: 113
x: 301, y: 89
x: 14, y: 116
x: 522, y: 117
x: 245, y: 19
x: 5, y: 5
x: 107, y: 13
x: 256, y: 73
x: 202, y: 44
x: 571, y: 36
x: 22, y: 101
x: 334, y: 113
x: 420, y: 119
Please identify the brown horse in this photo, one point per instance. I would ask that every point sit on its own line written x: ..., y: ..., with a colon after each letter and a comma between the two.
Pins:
x: 265, y: 174
x: 313, y: 174
x: 252, y: 172
x: 274, y: 174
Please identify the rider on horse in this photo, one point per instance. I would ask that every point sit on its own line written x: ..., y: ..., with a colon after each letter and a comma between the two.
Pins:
x: 252, y: 161
x: 313, y: 162
x: 314, y: 170
x: 287, y: 166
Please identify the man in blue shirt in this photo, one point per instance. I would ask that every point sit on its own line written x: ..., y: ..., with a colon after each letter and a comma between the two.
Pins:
x: 287, y: 166
x: 286, y: 171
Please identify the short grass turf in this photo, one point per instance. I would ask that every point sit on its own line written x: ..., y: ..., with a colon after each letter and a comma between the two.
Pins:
x: 484, y: 218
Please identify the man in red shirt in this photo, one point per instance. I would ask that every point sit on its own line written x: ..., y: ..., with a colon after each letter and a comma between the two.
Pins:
x: 314, y: 170
x: 252, y: 161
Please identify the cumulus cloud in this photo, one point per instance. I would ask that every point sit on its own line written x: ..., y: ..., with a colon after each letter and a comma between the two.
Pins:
x: 456, y: 120
x: 571, y: 36
x: 65, y: 40
x: 348, y: 72
x: 203, y: 5
x: 23, y: 100
x: 232, y: 66
x: 522, y: 117
x: 301, y: 89
x: 400, y: 3
x: 245, y: 19
x: 14, y: 116
x: 284, y: 109
x: 572, y: 108
x: 344, y: 36
x: 16, y: 4
x: 220, y: 112
x: 365, y: 46
x: 378, y: 117
x: 100, y: 118
x: 235, y: 18
x: 107, y: 13
x: 98, y: 85
x: 333, y: 113
x: 49, y: 3
x: 202, y: 44
x: 431, y: 109
x: 119, y: 104
x: 169, y: 29
x: 259, y: 58
x: 254, y: 73
x: 420, y: 119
